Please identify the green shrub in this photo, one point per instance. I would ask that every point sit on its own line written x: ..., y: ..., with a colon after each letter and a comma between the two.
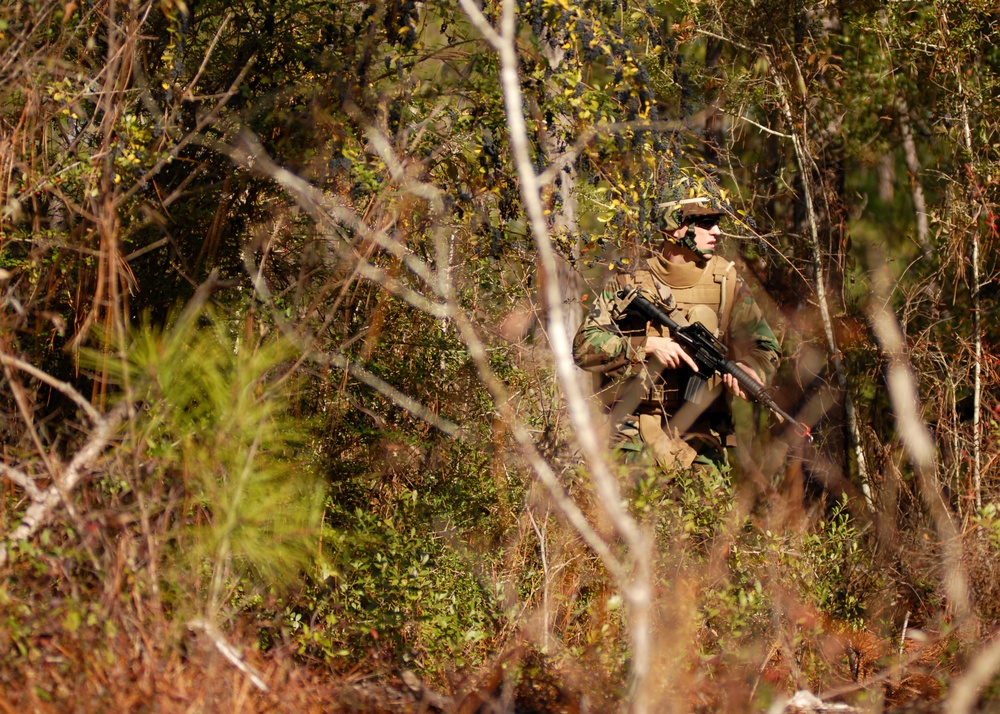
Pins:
x: 215, y: 429
x: 399, y: 586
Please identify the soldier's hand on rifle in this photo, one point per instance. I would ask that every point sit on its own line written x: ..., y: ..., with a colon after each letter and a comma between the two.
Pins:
x: 733, y: 386
x: 668, y: 352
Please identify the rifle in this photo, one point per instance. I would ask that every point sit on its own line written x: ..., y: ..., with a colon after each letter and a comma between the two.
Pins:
x: 709, y: 354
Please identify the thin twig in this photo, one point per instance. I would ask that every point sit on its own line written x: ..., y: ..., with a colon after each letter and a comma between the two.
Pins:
x: 63, y: 387
x: 342, y: 361
x: 228, y: 651
x: 23, y: 480
x: 765, y: 129
x: 189, y: 90
x: 194, y: 136
x: 977, y: 325
x: 37, y: 514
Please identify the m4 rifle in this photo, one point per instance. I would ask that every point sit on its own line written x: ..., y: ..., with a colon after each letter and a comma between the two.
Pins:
x: 709, y: 354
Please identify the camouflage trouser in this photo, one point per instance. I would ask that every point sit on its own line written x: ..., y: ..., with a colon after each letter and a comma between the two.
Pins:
x: 695, y: 499
x: 713, y: 457
x: 640, y: 441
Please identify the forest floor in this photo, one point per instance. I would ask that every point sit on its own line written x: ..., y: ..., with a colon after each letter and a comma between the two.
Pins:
x: 64, y: 676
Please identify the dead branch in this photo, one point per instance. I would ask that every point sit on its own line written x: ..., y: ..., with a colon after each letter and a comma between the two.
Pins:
x: 920, y: 448
x: 329, y: 213
x: 40, y: 510
x: 637, y: 587
x: 306, y: 343
x: 63, y: 387
x: 23, y: 480
x: 231, y: 654
x: 805, y: 169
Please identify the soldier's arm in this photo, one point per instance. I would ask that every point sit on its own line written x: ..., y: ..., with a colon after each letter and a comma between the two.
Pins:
x: 751, y: 339
x: 600, y: 344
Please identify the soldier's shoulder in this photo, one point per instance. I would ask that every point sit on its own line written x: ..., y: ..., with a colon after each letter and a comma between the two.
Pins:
x: 718, y: 264
x: 631, y: 273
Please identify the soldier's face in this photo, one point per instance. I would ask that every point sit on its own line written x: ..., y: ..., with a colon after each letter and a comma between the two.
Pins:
x: 706, y: 233
x: 705, y: 238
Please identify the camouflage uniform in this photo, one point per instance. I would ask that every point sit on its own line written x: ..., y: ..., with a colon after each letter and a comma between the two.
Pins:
x: 646, y: 402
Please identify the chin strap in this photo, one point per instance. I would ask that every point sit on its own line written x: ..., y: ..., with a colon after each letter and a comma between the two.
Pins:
x: 688, y: 242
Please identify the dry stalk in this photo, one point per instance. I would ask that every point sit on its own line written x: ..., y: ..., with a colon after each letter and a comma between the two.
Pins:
x: 921, y: 450
x: 38, y: 512
x: 805, y: 162
x: 913, y: 167
x: 637, y: 588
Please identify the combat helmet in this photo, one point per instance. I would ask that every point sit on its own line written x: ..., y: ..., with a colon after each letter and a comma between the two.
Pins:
x: 687, y: 197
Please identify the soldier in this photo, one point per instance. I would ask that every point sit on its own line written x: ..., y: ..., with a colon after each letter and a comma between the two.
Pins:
x: 643, y: 372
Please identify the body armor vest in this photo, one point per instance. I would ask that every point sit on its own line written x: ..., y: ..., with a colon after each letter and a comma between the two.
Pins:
x: 688, y: 294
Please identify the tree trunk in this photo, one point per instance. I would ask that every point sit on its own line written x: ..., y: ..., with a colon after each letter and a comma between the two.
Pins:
x: 913, y: 168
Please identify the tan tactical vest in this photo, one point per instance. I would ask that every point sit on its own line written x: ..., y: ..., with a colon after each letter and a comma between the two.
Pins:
x: 687, y: 295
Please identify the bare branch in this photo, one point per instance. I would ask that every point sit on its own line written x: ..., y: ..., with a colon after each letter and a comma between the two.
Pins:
x: 21, y: 399
x: 325, y: 210
x: 637, y: 587
x: 805, y: 171
x: 307, y: 341
x: 23, y: 480
x: 194, y: 136
x: 399, y: 398
x: 526, y: 444
x: 228, y: 651
x: 477, y: 351
x: 63, y: 387
x: 189, y: 90
x: 38, y: 512
x: 483, y: 25
x: 765, y: 129
x: 920, y: 448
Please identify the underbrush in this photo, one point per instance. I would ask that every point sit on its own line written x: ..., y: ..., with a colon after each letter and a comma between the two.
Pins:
x: 745, y: 612
x: 200, y: 566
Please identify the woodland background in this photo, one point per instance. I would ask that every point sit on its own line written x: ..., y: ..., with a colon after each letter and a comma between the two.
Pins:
x: 288, y: 417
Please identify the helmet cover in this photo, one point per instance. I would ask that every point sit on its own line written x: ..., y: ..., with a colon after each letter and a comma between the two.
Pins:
x: 685, y: 199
